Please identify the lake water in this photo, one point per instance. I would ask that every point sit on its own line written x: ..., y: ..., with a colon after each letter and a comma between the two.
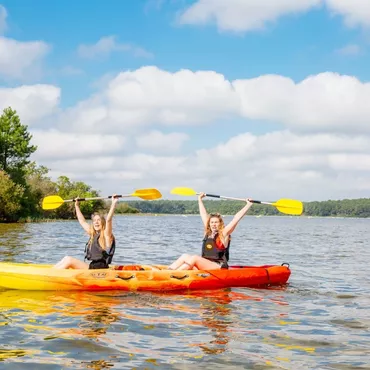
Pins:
x: 321, y: 320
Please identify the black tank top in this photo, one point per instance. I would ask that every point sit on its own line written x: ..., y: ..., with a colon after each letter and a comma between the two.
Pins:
x: 94, y: 251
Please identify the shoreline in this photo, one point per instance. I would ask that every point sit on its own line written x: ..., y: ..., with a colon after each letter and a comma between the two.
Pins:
x: 41, y: 220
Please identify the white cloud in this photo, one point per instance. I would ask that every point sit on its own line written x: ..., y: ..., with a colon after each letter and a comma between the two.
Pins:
x: 3, y: 16
x: 282, y: 164
x: 327, y: 102
x: 21, y: 60
x: 32, y: 103
x: 323, y: 102
x: 78, y: 169
x: 53, y: 143
x: 355, y: 12
x: 159, y: 142
x: 105, y: 172
x: 242, y: 15
x: 283, y: 150
x: 157, y: 165
x: 351, y: 49
x: 183, y: 97
x: 247, y: 15
x: 107, y: 45
x: 149, y: 95
x: 350, y: 162
x: 87, y: 116
x: 172, y: 98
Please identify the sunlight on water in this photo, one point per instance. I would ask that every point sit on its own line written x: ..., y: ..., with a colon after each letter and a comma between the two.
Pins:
x: 321, y: 320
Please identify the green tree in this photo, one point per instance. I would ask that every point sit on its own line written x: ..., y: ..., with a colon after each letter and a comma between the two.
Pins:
x: 125, y: 208
x: 10, y: 195
x: 15, y: 147
x: 38, y: 186
x: 68, y: 189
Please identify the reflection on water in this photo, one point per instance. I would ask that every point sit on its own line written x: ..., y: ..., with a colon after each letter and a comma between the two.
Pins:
x: 136, y: 327
x: 13, y: 239
x: 321, y: 320
x: 216, y: 316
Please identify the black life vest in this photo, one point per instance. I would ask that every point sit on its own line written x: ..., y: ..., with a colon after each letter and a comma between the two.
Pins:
x: 94, y: 252
x: 214, y: 250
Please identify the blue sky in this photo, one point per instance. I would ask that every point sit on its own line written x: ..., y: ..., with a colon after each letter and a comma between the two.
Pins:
x: 212, y: 94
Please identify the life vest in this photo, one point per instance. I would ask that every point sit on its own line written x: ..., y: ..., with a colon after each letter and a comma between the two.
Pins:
x: 94, y: 252
x: 214, y: 250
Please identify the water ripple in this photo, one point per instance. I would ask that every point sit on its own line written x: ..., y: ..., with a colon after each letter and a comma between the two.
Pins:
x: 319, y: 321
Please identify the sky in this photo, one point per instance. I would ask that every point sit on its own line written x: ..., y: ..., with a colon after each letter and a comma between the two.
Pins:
x: 242, y: 98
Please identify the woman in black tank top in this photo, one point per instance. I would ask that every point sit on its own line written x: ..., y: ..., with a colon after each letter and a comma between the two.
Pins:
x: 217, y: 235
x: 100, y: 233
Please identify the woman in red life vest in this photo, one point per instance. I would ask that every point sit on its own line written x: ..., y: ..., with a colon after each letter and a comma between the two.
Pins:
x: 101, y: 244
x: 216, y: 242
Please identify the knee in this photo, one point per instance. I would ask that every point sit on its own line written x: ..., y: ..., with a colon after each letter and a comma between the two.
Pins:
x: 193, y: 259
x: 67, y: 260
x: 185, y: 256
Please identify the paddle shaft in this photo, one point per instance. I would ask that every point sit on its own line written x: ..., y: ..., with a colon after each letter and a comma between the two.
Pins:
x: 96, y: 198
x: 287, y: 206
x: 231, y: 198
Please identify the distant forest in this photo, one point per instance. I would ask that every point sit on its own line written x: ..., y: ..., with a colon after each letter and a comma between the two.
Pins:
x: 329, y: 208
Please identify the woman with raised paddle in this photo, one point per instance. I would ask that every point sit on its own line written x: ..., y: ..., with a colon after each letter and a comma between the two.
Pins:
x: 216, y: 241
x: 101, y: 245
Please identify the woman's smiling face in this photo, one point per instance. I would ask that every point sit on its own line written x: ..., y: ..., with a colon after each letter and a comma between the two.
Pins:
x: 97, y: 224
x: 214, y: 223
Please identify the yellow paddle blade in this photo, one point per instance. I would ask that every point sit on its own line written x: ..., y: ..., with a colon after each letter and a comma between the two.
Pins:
x: 183, y: 191
x: 52, y: 202
x: 289, y: 206
x: 147, y: 194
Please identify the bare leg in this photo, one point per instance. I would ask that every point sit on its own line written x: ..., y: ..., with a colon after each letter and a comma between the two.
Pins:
x: 201, y: 263
x: 179, y: 262
x: 187, y: 262
x: 70, y: 262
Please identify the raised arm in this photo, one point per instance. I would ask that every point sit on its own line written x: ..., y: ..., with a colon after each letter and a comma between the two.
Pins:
x: 80, y: 217
x: 108, y: 227
x: 232, y: 225
x: 202, y: 210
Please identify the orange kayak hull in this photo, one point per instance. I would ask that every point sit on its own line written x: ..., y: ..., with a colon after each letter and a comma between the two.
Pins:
x: 139, y: 278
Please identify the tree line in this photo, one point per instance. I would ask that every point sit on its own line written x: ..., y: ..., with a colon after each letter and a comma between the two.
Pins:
x: 330, y: 208
x: 23, y: 185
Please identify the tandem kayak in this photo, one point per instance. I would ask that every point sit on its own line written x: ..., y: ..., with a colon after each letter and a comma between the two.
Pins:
x: 139, y: 278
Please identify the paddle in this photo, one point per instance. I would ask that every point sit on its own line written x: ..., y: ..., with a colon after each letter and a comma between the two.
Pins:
x: 287, y: 206
x: 55, y: 201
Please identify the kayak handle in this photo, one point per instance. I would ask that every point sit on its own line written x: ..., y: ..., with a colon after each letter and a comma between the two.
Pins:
x: 125, y: 278
x: 179, y: 277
